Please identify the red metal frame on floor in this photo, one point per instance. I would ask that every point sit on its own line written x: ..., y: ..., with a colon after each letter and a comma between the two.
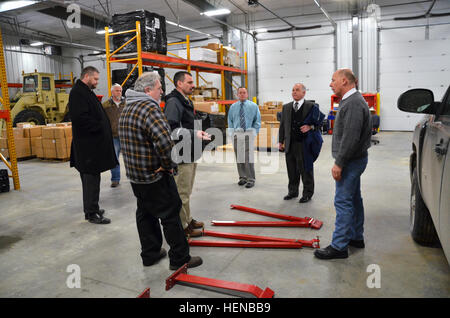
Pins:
x: 293, y: 221
x: 145, y: 293
x: 181, y: 276
x: 314, y: 243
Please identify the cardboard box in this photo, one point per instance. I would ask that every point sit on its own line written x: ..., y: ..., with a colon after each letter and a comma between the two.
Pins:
x: 24, y: 125
x: 268, y: 135
x: 59, y: 132
x: 36, y: 142
x: 34, y: 131
x: 17, y: 133
x: 23, y: 147
x: 3, y: 143
x: 212, y: 46
x: 48, y: 133
x: 268, y: 117
x: 207, y: 107
x: 49, y: 153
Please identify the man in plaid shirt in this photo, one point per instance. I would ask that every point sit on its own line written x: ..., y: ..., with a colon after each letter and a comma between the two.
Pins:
x: 146, y: 146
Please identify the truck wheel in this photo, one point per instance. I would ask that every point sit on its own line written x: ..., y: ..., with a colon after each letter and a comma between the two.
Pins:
x: 30, y: 116
x: 421, y: 224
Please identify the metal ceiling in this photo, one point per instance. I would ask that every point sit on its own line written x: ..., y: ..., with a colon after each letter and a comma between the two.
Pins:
x: 45, y: 20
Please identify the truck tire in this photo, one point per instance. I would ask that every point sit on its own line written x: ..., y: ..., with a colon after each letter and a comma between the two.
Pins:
x: 421, y: 224
x: 29, y: 115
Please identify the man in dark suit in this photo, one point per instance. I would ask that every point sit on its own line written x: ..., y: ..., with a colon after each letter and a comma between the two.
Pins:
x: 291, y: 135
x: 92, y: 150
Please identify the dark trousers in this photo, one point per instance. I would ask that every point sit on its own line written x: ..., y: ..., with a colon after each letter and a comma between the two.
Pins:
x: 160, y: 201
x: 91, y: 192
x: 296, y: 170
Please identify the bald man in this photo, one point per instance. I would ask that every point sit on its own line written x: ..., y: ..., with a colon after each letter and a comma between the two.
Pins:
x: 291, y: 138
x: 351, y: 140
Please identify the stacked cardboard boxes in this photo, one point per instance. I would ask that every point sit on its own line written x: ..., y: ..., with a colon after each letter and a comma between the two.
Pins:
x: 268, y: 134
x: 29, y: 141
x: 55, y: 143
x: 230, y: 55
x: 22, y: 144
x: 206, y: 107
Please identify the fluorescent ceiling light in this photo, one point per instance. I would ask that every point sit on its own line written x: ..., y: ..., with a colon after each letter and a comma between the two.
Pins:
x: 102, y: 31
x: 216, y: 12
x: 187, y: 28
x: 36, y: 44
x: 12, y: 5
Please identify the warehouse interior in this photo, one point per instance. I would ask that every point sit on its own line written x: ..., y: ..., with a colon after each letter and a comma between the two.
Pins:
x: 266, y: 46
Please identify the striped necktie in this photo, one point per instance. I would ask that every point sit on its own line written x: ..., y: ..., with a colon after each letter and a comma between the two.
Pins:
x: 296, y: 106
x: 242, y: 116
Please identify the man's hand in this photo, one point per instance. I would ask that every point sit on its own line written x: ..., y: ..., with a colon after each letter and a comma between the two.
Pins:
x: 203, y: 135
x: 305, y: 128
x: 161, y: 169
x: 281, y: 146
x: 336, y: 172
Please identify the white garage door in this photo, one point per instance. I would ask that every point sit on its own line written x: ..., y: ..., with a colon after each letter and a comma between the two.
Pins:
x: 282, y: 64
x: 409, y: 61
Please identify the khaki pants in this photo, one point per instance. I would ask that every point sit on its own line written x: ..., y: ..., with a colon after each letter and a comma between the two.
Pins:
x: 185, y: 182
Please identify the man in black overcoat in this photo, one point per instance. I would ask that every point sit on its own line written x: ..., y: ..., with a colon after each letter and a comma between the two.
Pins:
x: 92, y: 150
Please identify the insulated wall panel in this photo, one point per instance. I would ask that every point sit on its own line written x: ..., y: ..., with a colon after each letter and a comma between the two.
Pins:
x: 411, y: 58
x: 308, y: 60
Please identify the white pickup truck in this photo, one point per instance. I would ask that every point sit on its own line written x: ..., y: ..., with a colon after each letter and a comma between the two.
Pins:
x: 430, y: 168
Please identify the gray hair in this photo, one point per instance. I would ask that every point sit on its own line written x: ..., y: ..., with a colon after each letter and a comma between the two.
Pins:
x: 115, y: 85
x: 147, y: 79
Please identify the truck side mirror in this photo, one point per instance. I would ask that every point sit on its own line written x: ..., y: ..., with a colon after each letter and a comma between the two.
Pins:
x: 417, y: 100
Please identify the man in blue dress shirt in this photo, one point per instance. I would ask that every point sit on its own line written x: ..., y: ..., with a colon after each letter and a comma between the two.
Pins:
x: 244, y: 121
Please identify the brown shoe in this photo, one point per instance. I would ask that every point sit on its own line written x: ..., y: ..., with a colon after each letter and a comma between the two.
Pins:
x: 197, y: 224
x: 191, y: 232
x: 114, y: 184
x: 193, y: 262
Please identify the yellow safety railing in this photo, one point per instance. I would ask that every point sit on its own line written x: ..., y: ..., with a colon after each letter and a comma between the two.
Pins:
x: 9, y: 129
x: 188, y: 49
x: 138, y: 58
x: 109, y: 55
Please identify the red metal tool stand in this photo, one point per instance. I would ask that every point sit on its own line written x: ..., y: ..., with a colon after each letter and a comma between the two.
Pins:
x: 246, y: 244
x: 314, y: 243
x: 182, y: 277
x: 294, y: 221
x: 145, y: 293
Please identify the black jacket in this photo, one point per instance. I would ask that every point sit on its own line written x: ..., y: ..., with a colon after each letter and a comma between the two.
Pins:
x: 181, y: 116
x: 284, y: 135
x: 92, y: 149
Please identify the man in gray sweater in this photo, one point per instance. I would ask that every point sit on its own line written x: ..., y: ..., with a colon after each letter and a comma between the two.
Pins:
x: 351, y: 139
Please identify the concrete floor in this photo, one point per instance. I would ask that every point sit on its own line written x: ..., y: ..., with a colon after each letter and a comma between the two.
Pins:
x: 43, y: 231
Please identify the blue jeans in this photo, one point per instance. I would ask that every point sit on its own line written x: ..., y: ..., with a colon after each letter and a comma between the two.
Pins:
x: 349, y: 205
x: 115, y: 172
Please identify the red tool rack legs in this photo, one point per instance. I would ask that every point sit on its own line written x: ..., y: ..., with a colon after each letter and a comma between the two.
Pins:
x: 181, y: 276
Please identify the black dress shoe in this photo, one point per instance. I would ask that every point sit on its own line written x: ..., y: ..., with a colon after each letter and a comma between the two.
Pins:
x: 98, y: 219
x: 249, y: 185
x: 162, y: 254
x: 304, y: 199
x: 330, y: 252
x: 101, y: 212
x: 357, y: 243
x: 242, y: 182
x: 290, y: 196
